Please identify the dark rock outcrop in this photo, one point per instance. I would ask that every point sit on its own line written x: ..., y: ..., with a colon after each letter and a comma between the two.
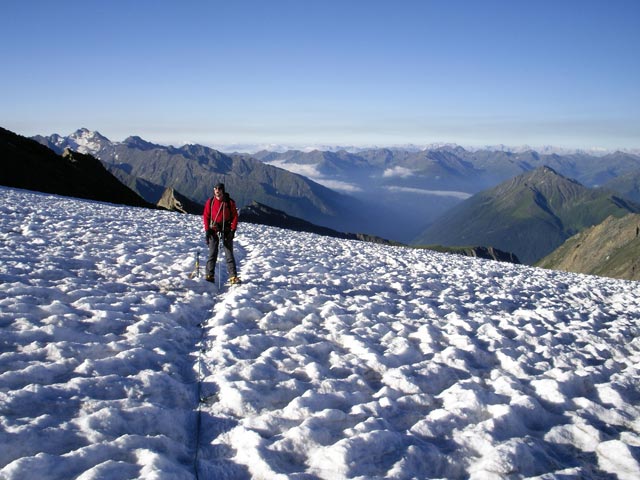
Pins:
x: 488, y: 253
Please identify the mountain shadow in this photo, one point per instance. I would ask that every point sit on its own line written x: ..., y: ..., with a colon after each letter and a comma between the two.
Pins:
x: 627, y: 185
x: 265, y: 215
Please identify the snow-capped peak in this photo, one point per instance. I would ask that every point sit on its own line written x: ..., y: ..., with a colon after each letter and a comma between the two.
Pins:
x: 87, y: 141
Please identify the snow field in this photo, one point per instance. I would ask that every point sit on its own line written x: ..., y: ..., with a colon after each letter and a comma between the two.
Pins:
x: 335, y: 359
x: 97, y: 348
x: 420, y: 365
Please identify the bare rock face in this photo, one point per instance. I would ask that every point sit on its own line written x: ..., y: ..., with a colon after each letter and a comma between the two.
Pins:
x: 175, y: 202
x: 609, y: 249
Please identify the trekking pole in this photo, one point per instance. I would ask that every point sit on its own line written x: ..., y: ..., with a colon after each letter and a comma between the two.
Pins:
x: 196, y: 270
x: 220, y: 247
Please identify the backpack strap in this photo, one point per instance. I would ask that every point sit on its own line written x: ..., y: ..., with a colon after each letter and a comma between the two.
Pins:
x: 212, y: 217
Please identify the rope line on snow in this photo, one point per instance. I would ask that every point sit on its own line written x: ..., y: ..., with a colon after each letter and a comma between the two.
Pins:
x: 201, y: 350
x: 200, y: 402
x: 201, y: 399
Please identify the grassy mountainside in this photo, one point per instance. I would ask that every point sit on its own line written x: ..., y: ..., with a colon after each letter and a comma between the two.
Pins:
x: 529, y: 215
x: 609, y: 249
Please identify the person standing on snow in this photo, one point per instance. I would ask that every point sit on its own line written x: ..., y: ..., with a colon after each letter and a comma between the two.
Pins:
x: 220, y: 221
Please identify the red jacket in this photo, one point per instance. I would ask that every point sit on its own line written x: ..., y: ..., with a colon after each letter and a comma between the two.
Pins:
x: 220, y: 212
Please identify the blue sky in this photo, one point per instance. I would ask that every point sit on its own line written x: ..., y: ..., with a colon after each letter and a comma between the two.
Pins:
x: 349, y: 72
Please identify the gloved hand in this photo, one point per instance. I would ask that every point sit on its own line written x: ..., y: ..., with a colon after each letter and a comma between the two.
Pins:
x: 232, y: 234
x: 208, y: 235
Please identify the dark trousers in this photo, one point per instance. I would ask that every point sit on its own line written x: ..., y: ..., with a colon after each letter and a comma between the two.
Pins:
x: 227, y: 243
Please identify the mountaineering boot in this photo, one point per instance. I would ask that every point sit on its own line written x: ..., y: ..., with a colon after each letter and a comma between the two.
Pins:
x: 234, y: 280
x: 209, y: 278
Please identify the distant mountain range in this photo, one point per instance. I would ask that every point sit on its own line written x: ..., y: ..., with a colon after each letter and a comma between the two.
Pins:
x: 388, y: 192
x: 192, y: 170
x: 529, y: 215
x: 522, y: 202
x: 419, y: 186
x: 252, y: 148
x: 451, y: 168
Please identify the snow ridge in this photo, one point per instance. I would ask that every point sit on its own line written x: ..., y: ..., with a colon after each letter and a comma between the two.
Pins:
x: 336, y: 358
